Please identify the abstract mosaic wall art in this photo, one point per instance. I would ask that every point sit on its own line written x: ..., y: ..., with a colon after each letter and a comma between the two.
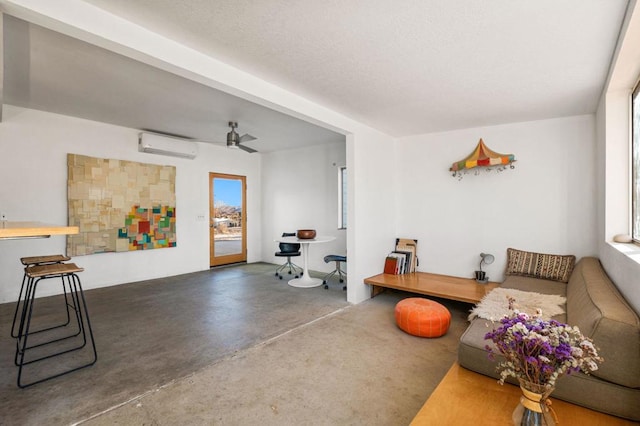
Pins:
x: 119, y: 205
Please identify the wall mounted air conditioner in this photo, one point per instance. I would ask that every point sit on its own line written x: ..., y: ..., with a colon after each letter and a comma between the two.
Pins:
x: 166, y: 145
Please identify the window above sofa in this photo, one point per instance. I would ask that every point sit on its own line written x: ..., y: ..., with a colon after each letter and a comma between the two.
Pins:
x: 635, y: 164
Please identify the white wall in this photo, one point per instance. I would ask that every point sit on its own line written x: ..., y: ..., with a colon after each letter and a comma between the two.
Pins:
x: 369, y: 152
x: 621, y: 261
x: 300, y: 191
x: 34, y: 146
x: 372, y: 197
x: 546, y: 204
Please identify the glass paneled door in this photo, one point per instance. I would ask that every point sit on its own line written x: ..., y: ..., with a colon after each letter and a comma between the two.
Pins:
x: 228, y: 213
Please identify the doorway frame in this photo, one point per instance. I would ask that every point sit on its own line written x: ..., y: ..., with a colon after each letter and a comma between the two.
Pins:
x: 236, y: 257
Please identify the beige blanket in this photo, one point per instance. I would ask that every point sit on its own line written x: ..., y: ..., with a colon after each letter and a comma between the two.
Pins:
x: 495, y: 304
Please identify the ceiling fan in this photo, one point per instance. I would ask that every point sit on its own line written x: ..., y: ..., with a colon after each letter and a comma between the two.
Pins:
x: 235, y: 141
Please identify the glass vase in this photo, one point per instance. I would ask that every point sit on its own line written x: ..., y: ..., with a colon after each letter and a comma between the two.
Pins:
x: 533, y: 409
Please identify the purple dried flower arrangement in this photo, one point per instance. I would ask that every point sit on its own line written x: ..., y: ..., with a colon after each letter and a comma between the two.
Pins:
x: 540, y: 351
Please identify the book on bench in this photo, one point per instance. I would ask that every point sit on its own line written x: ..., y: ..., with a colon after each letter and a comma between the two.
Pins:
x: 390, y: 265
x: 403, y: 259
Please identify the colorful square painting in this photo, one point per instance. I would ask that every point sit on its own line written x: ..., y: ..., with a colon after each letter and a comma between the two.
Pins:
x: 120, y: 205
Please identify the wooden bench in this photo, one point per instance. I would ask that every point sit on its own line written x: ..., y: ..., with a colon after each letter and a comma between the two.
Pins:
x: 444, y: 286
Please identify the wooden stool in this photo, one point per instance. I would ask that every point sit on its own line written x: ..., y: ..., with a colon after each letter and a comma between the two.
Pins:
x: 422, y: 317
x: 33, y: 261
x: 68, y: 273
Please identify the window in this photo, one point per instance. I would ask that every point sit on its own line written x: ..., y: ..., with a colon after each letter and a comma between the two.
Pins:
x: 342, y: 198
x: 635, y: 164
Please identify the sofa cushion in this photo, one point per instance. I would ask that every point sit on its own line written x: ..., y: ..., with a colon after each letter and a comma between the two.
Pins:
x: 472, y: 352
x: 540, y: 265
x: 599, y: 310
x: 534, y: 284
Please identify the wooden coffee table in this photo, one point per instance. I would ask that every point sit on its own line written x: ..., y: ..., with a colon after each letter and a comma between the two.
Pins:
x: 444, y: 286
x: 467, y: 398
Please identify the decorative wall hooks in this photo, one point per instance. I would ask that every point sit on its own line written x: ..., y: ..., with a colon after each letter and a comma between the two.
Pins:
x: 483, y: 157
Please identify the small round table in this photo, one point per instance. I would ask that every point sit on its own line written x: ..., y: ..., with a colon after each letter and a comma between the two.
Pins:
x: 306, y: 281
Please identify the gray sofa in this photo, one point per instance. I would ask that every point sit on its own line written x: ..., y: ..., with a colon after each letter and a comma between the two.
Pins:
x: 597, y: 308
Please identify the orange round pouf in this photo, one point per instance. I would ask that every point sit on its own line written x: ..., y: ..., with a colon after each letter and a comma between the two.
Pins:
x: 422, y: 317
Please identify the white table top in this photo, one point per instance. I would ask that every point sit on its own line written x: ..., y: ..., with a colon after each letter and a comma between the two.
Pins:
x: 296, y: 240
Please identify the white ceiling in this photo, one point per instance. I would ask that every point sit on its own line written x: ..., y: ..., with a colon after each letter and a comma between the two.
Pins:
x: 52, y: 72
x: 405, y: 68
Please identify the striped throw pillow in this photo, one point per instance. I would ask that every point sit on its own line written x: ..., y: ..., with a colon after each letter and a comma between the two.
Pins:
x: 553, y: 267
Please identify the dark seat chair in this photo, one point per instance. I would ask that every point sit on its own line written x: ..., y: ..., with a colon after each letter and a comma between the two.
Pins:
x: 289, y: 250
x: 341, y: 274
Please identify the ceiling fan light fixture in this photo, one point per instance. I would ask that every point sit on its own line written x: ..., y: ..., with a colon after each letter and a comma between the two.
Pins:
x: 232, y: 137
x: 234, y: 140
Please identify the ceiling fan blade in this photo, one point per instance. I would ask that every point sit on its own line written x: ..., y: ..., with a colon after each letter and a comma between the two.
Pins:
x: 246, y: 148
x: 247, y: 137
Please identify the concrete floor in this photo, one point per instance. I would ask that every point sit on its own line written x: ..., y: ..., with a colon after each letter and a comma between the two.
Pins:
x: 235, y: 346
